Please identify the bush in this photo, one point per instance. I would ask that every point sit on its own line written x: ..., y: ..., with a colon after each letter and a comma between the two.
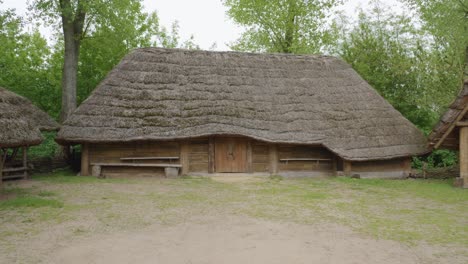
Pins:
x: 437, y: 159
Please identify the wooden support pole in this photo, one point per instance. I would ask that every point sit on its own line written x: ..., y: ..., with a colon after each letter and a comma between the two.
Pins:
x: 1, y: 168
x: 25, y: 161
x: 464, y: 155
x: 84, y: 159
x: 347, y: 168
x: 211, y: 155
x: 184, y: 157
x: 249, y: 156
x: 273, y: 154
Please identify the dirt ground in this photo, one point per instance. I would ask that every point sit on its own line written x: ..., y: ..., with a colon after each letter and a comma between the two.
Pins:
x: 187, y: 231
x: 223, y: 239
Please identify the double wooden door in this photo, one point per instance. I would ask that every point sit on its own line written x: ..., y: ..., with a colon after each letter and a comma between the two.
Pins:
x: 230, y: 154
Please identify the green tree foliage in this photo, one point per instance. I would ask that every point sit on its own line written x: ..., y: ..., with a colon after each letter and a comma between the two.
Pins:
x: 400, y: 61
x: 23, y: 57
x: 287, y: 26
x: 111, y: 30
x: 447, y: 20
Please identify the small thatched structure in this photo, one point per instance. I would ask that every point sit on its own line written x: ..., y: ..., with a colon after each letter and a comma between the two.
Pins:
x: 306, y: 113
x: 452, y: 131
x: 21, y: 124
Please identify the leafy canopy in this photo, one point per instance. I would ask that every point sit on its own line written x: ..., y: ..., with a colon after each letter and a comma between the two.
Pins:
x: 287, y: 26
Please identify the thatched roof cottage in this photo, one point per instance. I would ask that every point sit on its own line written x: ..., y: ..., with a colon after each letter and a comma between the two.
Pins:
x: 452, y: 131
x: 221, y: 112
x: 21, y: 124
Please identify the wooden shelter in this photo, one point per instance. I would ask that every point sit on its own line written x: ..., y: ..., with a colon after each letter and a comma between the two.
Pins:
x: 21, y: 124
x: 452, y: 132
x: 200, y: 112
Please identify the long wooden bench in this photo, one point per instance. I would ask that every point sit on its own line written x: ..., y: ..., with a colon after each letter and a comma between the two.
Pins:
x: 304, y: 159
x: 133, y: 159
x: 171, y: 170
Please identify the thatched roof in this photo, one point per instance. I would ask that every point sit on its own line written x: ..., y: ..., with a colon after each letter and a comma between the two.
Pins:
x: 21, y: 121
x: 156, y: 94
x: 445, y: 133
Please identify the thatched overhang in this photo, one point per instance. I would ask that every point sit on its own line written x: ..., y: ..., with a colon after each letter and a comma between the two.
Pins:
x: 159, y: 94
x: 21, y: 122
x: 446, y: 133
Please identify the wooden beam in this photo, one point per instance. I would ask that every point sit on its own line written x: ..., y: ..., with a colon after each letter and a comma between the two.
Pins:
x: 462, y: 124
x: 273, y: 155
x: 25, y: 161
x: 464, y: 155
x: 211, y: 155
x: 85, y: 159
x: 347, y: 167
x: 450, y: 129
x: 249, y: 156
x: 184, y: 157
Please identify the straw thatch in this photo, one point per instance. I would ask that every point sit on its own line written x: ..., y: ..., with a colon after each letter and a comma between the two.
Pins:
x: 21, y: 121
x: 156, y: 94
x: 445, y: 133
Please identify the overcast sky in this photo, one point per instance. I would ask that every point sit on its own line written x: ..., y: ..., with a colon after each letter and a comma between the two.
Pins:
x: 206, y: 20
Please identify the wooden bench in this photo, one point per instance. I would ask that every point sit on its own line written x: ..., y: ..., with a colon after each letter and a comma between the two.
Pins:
x: 133, y: 159
x: 171, y: 170
x: 304, y: 159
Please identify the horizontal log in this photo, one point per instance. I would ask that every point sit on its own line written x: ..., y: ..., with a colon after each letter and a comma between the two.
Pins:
x: 150, y: 158
x: 148, y: 165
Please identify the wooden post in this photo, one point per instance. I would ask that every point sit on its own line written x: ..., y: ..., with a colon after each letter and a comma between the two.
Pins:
x: 347, y: 168
x: 273, y: 153
x: 464, y: 155
x: 25, y: 161
x: 249, y: 157
x: 1, y: 168
x: 184, y: 157
x: 211, y: 155
x: 84, y: 159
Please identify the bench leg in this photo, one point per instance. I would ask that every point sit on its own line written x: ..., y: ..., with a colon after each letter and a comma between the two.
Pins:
x: 96, y: 171
x: 171, y: 172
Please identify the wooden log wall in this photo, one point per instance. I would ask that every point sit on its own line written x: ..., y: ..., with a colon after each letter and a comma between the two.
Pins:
x: 324, y: 159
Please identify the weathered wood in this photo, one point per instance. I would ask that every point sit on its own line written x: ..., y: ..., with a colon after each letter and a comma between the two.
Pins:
x: 137, y: 165
x: 462, y: 124
x: 211, y: 155
x: 84, y: 159
x: 22, y: 169
x: 171, y: 172
x: 305, y: 159
x: 230, y: 154
x: 347, y: 167
x: 184, y: 157
x: 149, y: 158
x: 464, y: 155
x: 96, y: 171
x: 25, y: 161
x: 273, y: 154
x: 249, y: 156
x: 452, y: 126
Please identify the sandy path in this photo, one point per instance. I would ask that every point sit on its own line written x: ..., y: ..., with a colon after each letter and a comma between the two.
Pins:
x: 239, y: 240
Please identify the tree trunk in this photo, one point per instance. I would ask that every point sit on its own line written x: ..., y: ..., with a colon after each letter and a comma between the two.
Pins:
x: 72, y: 25
x: 70, y: 72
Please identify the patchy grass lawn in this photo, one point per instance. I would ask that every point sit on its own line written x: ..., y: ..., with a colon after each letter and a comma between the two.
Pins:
x: 408, y: 211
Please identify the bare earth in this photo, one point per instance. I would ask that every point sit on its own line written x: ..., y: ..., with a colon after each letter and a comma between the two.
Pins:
x: 187, y: 221
x: 239, y: 240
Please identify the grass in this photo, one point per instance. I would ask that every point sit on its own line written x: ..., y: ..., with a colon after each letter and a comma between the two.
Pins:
x: 408, y: 211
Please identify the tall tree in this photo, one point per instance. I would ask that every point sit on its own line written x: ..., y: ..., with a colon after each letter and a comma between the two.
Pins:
x: 447, y: 20
x: 287, y: 26
x: 400, y: 61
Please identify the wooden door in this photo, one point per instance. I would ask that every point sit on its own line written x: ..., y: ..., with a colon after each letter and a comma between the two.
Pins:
x: 230, y: 155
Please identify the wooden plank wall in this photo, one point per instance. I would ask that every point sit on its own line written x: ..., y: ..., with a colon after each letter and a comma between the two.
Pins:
x: 301, y: 151
x: 381, y: 165
x: 260, y: 157
x: 198, y: 155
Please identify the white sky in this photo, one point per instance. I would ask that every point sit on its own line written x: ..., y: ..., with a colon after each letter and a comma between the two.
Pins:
x: 206, y: 20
